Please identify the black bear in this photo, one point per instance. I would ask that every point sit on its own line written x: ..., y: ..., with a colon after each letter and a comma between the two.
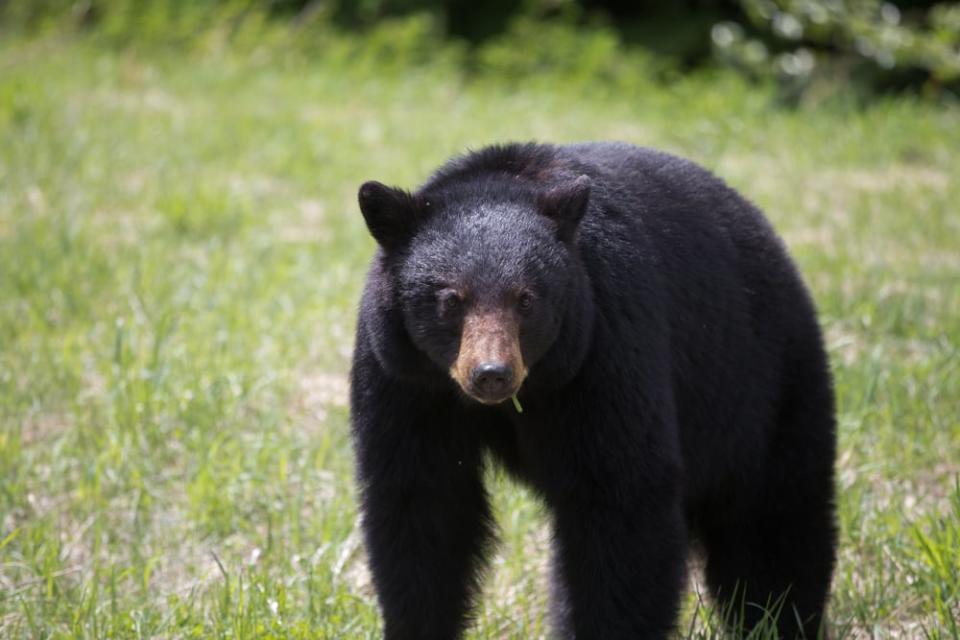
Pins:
x: 626, y: 334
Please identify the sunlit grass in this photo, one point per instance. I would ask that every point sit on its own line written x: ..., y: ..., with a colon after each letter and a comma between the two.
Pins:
x: 180, y: 258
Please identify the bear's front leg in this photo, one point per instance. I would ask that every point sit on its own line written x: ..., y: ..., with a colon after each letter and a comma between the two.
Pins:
x: 426, y: 518
x: 618, y: 574
x: 619, y: 529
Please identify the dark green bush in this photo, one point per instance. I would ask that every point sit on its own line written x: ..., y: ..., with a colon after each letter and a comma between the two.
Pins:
x: 873, y: 44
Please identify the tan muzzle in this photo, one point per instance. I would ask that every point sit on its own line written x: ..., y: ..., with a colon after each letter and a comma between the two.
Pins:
x: 489, y: 366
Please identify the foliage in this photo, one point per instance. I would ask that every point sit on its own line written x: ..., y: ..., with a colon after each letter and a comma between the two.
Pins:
x: 798, y: 43
x: 549, y: 52
x: 792, y: 36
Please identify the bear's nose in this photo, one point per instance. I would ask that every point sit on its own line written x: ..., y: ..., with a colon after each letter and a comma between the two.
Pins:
x: 492, y: 381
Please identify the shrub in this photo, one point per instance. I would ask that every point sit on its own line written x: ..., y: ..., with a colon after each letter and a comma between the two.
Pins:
x: 871, y: 40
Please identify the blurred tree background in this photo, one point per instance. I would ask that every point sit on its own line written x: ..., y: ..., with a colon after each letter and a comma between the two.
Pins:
x: 808, y: 48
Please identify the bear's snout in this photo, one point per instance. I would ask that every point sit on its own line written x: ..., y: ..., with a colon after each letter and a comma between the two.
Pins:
x: 491, y: 381
x: 489, y: 366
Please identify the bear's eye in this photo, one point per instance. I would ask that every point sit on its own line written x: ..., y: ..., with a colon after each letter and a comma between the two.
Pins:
x: 449, y: 300
x: 525, y: 301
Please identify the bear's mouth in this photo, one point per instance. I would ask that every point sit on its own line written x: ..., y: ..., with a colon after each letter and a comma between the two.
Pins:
x: 489, y: 366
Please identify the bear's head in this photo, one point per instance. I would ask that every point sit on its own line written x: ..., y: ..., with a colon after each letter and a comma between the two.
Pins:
x: 483, y: 275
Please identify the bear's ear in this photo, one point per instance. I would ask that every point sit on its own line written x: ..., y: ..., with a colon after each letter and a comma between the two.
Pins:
x: 565, y: 205
x: 391, y: 214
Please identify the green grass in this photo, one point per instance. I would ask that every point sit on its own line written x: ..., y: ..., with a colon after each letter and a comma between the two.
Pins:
x: 180, y: 259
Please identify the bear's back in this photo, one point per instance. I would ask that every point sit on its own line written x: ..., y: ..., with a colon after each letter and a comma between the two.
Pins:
x: 652, y: 211
x: 673, y: 251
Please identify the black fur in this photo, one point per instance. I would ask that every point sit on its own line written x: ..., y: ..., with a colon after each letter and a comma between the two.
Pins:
x: 678, y: 391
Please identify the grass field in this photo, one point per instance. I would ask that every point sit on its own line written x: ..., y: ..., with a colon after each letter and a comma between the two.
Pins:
x: 180, y: 259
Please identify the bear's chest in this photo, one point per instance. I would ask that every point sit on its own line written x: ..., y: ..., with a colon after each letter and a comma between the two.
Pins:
x: 530, y: 445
